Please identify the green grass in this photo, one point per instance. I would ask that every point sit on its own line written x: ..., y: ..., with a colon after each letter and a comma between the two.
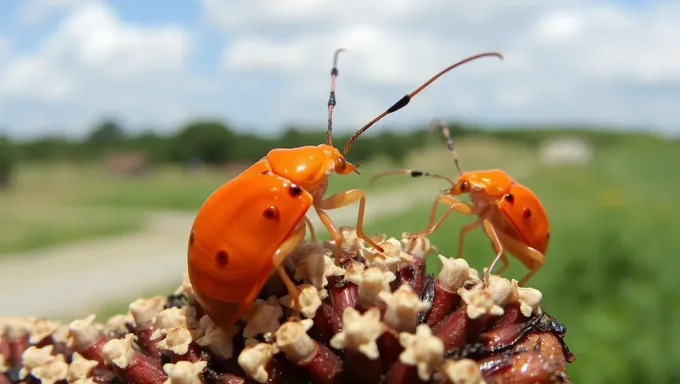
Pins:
x: 38, y: 226
x: 611, y: 267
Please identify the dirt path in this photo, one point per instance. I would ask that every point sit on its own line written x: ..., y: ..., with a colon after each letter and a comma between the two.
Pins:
x: 69, y: 280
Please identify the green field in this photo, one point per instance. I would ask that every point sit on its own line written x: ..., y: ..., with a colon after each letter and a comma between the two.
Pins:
x: 611, y: 267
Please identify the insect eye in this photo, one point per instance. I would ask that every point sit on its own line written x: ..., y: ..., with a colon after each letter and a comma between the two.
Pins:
x: 271, y: 213
x: 341, y: 165
x: 465, y: 186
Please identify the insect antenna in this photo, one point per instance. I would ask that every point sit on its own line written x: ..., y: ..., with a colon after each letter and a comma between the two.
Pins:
x: 412, y: 173
x: 331, y: 98
x: 449, y: 142
x: 401, y: 103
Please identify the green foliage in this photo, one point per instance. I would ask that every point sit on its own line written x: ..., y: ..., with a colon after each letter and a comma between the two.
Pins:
x: 7, y: 162
x: 106, y: 132
x: 209, y: 141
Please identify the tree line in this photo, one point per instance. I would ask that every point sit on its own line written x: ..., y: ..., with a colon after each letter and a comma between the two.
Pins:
x: 214, y: 142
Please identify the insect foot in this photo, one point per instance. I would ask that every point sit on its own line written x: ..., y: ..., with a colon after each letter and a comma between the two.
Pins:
x: 374, y: 318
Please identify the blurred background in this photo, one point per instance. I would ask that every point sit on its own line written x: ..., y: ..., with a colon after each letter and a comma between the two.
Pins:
x: 117, y: 120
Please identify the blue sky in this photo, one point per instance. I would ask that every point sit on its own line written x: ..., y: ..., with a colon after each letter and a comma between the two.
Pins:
x: 263, y: 64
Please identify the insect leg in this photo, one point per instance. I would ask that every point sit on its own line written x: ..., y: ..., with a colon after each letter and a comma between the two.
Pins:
x: 341, y: 199
x: 286, y: 248
x: 310, y: 226
x: 530, y: 257
x: 454, y: 205
x: 335, y: 234
x: 463, y: 231
x: 500, y: 251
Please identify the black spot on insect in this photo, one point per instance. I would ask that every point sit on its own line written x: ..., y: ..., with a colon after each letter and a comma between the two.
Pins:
x: 265, y: 173
x: 271, y: 213
x: 527, y: 213
x: 222, y: 258
x: 509, y: 197
x: 294, y: 190
x: 191, y: 238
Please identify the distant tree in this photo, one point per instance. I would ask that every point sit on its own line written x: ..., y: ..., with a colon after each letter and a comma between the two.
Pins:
x: 209, y: 141
x: 393, y: 146
x: 7, y: 162
x: 106, y: 132
x: 291, y: 137
x: 252, y: 148
x: 47, y: 148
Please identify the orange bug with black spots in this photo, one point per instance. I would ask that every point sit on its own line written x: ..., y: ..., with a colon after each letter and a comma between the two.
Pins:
x: 246, y: 229
x: 513, y: 217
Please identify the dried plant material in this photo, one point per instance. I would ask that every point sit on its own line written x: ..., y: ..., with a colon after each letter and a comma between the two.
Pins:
x: 293, y: 340
x: 171, y: 318
x: 145, y: 310
x: 80, y: 368
x: 389, y: 259
x: 373, y: 318
x: 119, y: 351
x: 479, y: 302
x: 371, y: 282
x: 254, y: 359
x: 262, y: 317
x: 418, y: 247
x: 118, y: 323
x: 219, y: 341
x: 130, y: 364
x: 177, y: 340
x: 464, y: 371
x: 52, y: 371
x: 501, y: 290
x: 455, y: 273
x: 83, y: 332
x: 423, y: 350
x: 17, y: 327
x: 349, y: 246
x: 185, y: 288
x: 34, y: 357
x: 40, y: 329
x: 529, y: 299
x: 184, y: 372
x: 315, y: 264
x: 309, y: 299
x: 360, y: 332
x: 402, y: 308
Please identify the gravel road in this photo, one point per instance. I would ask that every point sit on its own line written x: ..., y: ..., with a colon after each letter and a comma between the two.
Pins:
x: 70, y: 280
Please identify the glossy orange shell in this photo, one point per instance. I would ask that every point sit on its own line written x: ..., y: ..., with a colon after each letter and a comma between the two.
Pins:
x: 533, y: 228
x: 493, y: 182
x: 231, y: 220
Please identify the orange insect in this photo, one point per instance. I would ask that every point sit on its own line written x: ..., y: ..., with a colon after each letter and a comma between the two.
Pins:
x: 512, y: 215
x: 244, y: 231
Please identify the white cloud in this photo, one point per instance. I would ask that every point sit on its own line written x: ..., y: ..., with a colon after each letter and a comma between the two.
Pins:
x: 574, y: 60
x: 94, y: 64
x: 34, y: 11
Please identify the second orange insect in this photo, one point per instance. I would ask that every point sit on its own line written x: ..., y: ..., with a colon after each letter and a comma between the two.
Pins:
x: 512, y: 216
